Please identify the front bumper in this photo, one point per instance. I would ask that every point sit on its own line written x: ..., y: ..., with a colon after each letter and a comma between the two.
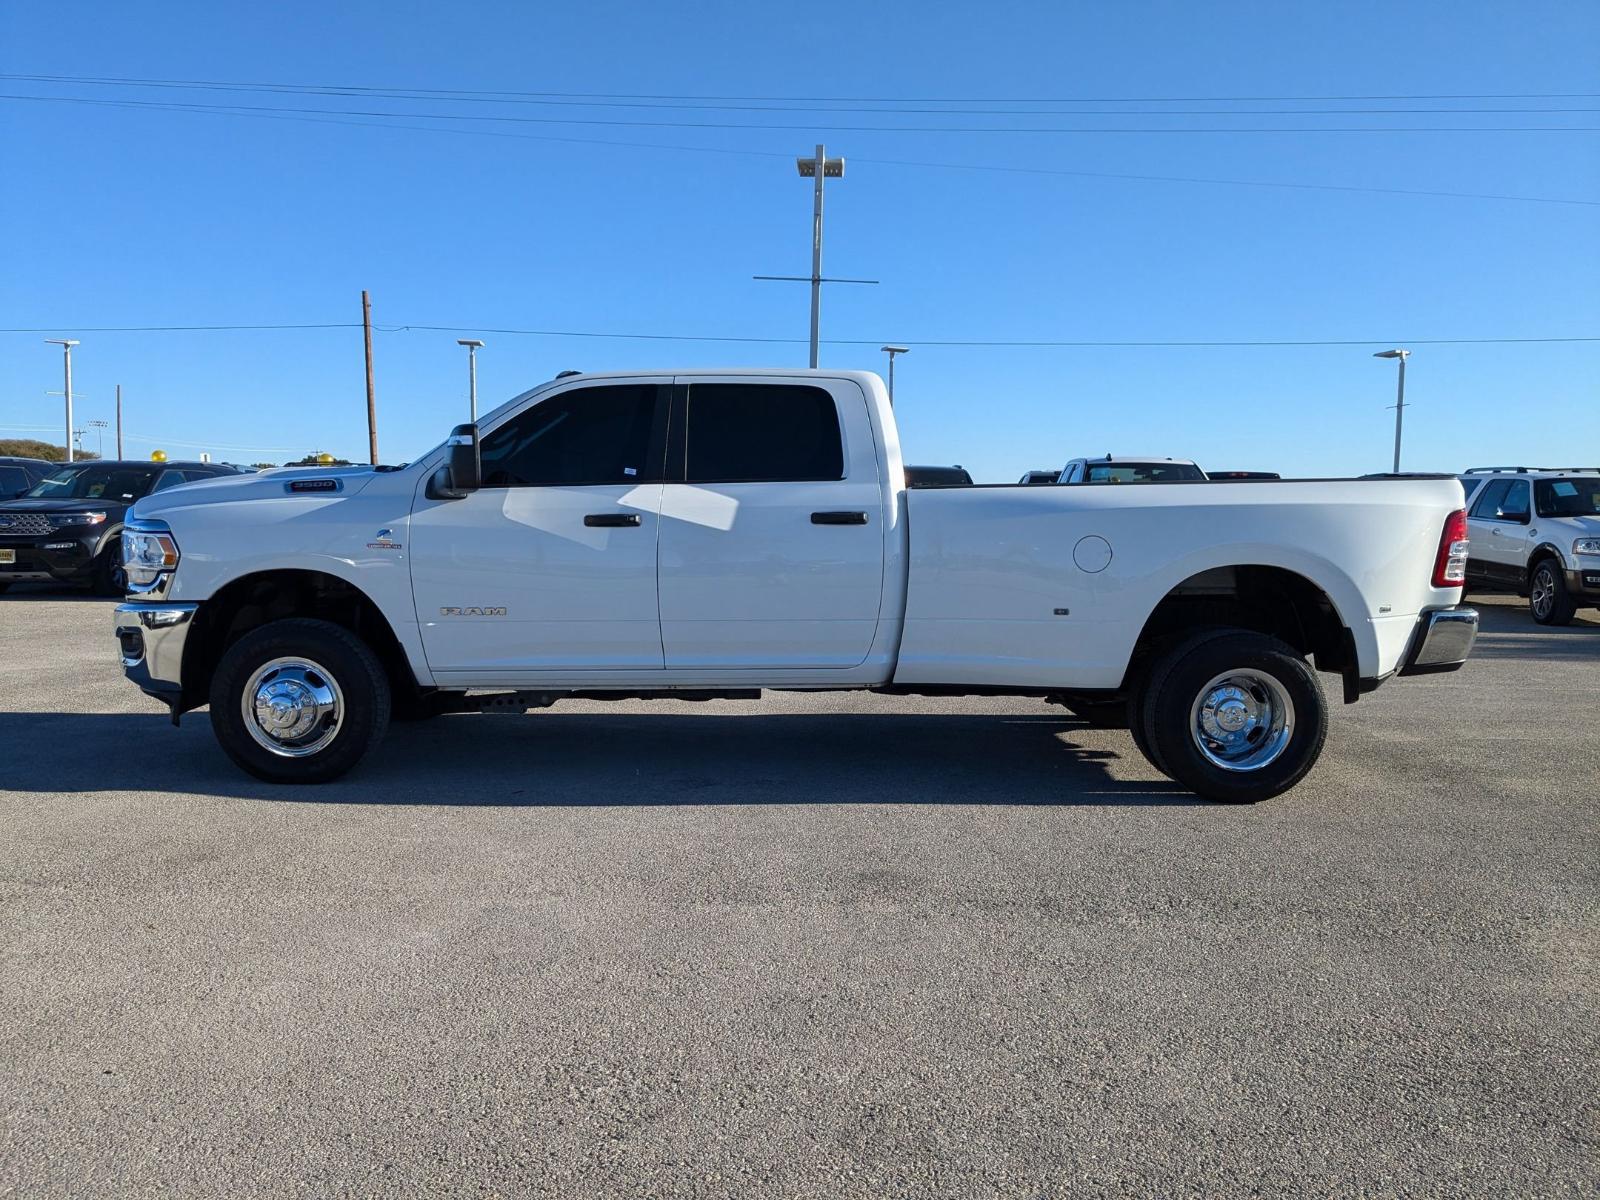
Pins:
x: 57, y: 558
x: 1583, y: 584
x: 1442, y: 641
x: 151, y: 638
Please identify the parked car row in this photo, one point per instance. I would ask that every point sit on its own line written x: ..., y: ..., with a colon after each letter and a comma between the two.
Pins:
x: 64, y: 525
x: 1132, y: 468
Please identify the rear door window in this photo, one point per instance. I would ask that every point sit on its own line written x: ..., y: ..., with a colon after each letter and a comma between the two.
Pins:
x: 1515, y: 506
x: 1487, y: 506
x: 761, y: 433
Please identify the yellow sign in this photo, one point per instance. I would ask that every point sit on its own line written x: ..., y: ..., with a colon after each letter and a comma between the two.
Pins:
x: 159, y: 456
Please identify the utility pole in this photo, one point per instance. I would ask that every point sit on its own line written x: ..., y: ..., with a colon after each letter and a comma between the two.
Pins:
x: 66, y: 345
x: 817, y: 168
x: 1400, y: 399
x: 372, y: 399
x: 473, y: 345
x: 119, y: 420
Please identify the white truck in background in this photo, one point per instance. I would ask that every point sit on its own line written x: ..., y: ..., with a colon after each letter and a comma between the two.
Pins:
x: 699, y: 534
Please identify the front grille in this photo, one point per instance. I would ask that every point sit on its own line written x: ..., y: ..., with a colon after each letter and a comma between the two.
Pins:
x: 25, y: 524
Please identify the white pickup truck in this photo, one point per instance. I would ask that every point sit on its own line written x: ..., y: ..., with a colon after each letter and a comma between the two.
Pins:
x: 709, y: 534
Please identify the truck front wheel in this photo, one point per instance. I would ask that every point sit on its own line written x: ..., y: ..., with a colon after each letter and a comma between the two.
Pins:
x: 299, y: 701
x: 1237, y: 717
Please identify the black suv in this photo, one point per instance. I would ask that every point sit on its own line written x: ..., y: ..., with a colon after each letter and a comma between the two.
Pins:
x: 67, y: 528
x: 17, y: 475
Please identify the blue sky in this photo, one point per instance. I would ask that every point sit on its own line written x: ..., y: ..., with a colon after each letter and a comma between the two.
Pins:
x: 116, y: 216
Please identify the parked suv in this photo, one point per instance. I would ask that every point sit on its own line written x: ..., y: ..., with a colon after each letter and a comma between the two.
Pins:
x: 1536, y: 531
x: 67, y: 528
x: 17, y: 475
x: 1130, y: 468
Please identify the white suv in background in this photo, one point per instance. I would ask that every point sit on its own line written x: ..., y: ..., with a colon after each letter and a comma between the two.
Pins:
x: 1536, y: 531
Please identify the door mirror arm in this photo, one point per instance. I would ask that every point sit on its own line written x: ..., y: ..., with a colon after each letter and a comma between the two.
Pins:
x: 462, y: 472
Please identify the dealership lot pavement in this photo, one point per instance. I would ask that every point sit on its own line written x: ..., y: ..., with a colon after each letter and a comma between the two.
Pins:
x: 817, y: 946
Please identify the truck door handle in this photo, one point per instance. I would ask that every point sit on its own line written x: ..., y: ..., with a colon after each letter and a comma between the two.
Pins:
x: 611, y: 520
x: 838, y: 518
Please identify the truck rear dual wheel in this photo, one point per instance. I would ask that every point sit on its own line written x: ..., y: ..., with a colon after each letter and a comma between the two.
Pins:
x: 299, y: 701
x: 1232, y: 715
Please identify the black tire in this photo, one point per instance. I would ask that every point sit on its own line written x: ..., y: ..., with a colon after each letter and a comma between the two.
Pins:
x: 1140, y: 732
x: 1270, y: 667
x: 1138, y: 710
x: 5, y: 586
x: 109, y: 577
x: 337, y: 658
x: 1549, y: 602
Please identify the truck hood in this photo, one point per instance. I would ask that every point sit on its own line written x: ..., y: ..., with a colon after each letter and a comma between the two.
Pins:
x: 264, y: 485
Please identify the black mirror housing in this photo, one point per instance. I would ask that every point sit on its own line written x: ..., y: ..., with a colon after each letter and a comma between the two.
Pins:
x: 463, y: 471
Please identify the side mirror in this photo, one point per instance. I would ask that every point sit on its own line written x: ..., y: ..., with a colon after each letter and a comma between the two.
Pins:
x: 462, y: 473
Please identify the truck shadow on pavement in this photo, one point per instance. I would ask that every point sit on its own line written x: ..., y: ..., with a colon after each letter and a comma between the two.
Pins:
x: 600, y: 760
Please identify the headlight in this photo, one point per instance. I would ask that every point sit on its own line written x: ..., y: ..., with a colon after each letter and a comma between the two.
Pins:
x: 67, y: 519
x: 146, y: 553
x: 1586, y: 546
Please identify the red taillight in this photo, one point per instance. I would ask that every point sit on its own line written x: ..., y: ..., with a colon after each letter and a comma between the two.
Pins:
x: 1450, y: 567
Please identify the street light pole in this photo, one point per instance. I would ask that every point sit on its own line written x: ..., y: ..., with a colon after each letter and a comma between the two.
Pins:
x: 816, y: 168
x: 1400, y: 399
x: 99, y: 428
x: 891, y: 351
x: 818, y: 171
x: 473, y: 346
x: 66, y: 345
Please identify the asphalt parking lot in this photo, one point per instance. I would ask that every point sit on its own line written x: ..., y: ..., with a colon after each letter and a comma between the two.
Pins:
x: 817, y: 946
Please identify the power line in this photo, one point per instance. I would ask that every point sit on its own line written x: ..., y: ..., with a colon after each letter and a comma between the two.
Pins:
x: 757, y: 340
x: 812, y: 126
x: 723, y: 150
x: 334, y: 90
x: 445, y: 93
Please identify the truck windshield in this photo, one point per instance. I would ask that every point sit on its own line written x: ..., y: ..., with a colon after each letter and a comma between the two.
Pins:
x: 1142, y: 472
x: 1568, y: 497
x: 96, y: 483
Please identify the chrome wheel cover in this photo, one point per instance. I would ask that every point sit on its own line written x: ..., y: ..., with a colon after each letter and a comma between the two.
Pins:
x: 1242, y: 720
x: 292, y: 707
x: 1543, y: 596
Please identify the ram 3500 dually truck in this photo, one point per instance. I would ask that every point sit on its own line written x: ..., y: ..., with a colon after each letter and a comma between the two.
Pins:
x: 706, y: 534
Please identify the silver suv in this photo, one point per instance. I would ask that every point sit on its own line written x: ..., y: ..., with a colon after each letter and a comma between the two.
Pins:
x: 1536, y: 531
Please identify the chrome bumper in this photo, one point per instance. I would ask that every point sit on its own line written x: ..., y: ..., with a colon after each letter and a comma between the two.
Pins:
x: 1442, y: 641
x: 151, y: 638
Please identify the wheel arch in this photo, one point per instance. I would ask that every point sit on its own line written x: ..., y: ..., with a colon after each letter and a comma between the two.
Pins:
x: 1540, y: 553
x: 253, y: 600
x: 1262, y: 597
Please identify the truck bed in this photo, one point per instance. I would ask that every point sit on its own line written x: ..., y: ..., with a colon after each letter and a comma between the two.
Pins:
x: 1025, y: 586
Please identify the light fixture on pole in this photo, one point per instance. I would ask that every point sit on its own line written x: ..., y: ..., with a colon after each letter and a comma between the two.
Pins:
x: 99, y: 428
x: 66, y: 345
x: 1400, y: 399
x: 473, y: 346
x: 817, y: 168
x: 891, y: 351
